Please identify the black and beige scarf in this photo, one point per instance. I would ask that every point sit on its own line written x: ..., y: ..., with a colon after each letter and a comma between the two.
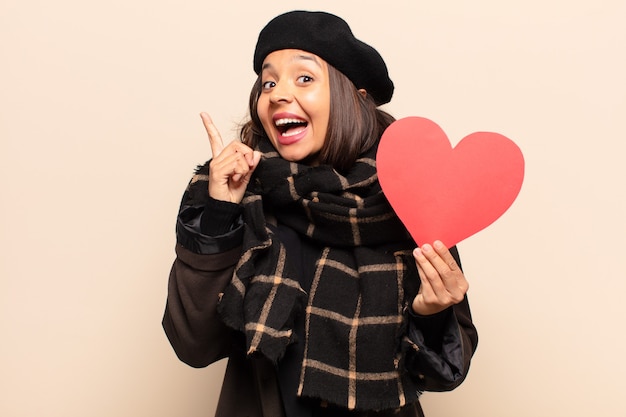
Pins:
x: 355, y: 311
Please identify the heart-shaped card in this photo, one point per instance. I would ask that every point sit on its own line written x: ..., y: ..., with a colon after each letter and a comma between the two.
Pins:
x: 445, y: 193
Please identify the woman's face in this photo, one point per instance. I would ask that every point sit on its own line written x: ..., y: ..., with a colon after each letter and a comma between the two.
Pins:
x: 294, y: 105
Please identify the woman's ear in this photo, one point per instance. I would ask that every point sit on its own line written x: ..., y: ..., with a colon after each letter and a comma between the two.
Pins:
x: 363, y: 92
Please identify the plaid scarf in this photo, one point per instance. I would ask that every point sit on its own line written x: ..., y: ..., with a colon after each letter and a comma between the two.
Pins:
x: 355, y: 311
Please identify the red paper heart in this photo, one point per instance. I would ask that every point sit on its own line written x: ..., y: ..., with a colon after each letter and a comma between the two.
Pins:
x: 444, y: 193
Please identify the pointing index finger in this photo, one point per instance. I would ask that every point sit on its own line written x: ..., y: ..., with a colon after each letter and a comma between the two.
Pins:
x: 214, y: 135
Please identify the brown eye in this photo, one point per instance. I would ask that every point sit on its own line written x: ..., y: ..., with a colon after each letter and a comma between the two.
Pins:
x: 305, y: 79
x: 268, y: 84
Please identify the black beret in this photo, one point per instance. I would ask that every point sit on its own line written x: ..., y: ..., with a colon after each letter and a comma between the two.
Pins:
x: 329, y: 37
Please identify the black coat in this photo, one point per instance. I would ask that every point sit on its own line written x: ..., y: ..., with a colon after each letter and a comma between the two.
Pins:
x: 252, y: 386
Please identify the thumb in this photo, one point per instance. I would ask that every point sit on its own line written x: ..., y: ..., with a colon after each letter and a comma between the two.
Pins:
x: 256, y: 158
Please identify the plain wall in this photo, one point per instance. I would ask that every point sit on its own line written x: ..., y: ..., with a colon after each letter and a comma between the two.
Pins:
x: 99, y: 134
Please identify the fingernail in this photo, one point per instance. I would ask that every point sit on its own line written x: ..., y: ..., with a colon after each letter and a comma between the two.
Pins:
x: 438, y: 244
x: 426, y: 247
x: 417, y: 252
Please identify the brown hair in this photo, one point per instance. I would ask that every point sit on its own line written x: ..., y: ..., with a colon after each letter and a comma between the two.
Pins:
x: 355, y: 123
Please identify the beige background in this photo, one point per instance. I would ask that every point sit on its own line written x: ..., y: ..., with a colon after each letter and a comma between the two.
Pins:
x: 100, y: 132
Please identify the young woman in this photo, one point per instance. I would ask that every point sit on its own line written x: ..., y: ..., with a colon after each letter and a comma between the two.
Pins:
x: 290, y: 261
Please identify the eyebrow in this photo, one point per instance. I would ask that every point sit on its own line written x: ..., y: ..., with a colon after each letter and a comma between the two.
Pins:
x: 312, y: 58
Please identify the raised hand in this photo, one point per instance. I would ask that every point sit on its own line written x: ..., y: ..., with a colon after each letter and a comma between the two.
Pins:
x: 443, y: 284
x: 231, y: 167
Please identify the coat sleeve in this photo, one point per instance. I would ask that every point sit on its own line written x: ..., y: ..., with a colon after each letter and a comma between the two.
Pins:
x: 201, y: 271
x: 191, y: 322
x: 441, y: 346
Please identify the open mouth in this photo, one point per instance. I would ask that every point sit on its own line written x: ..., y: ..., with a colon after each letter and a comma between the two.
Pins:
x: 290, y: 127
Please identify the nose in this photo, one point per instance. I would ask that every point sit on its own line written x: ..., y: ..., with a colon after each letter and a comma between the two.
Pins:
x: 281, y: 92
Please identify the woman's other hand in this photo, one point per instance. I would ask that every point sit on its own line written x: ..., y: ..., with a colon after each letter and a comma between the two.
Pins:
x: 443, y: 284
x: 231, y: 167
